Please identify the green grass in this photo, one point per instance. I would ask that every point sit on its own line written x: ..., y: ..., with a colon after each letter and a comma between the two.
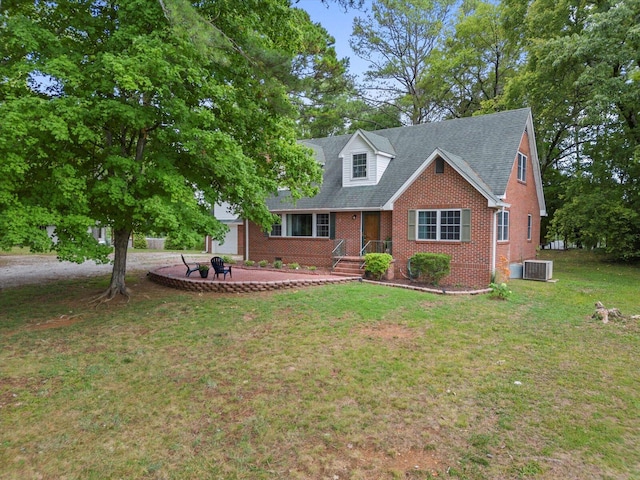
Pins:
x: 352, y: 381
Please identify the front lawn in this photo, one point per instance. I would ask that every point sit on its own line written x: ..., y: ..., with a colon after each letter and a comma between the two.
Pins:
x: 356, y: 381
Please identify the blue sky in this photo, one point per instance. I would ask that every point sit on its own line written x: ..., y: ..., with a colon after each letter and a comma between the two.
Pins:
x: 339, y: 24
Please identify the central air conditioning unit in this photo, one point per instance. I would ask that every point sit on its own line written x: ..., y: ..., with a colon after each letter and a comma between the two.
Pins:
x: 537, y: 270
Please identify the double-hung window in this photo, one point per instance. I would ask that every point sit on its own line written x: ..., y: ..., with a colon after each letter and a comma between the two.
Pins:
x: 529, y: 225
x: 299, y: 225
x: 439, y: 225
x: 522, y: 167
x: 302, y: 225
x: 503, y: 226
x: 359, y: 165
x: 322, y: 225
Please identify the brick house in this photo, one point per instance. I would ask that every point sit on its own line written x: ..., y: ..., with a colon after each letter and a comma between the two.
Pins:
x: 468, y: 187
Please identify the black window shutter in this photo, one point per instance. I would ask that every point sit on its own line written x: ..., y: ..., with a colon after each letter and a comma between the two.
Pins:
x: 332, y: 226
x: 411, y: 233
x: 465, y: 224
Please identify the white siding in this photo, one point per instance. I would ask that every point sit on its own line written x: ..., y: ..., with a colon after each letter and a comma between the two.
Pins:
x: 382, y: 162
x: 376, y: 164
x: 223, y: 212
x: 230, y: 245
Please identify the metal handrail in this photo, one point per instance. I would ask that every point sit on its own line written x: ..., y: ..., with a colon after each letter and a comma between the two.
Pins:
x: 339, y: 251
x: 376, y: 246
x: 363, y: 250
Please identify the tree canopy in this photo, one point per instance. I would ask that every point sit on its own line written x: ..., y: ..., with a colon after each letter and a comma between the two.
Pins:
x: 397, y: 40
x: 581, y: 80
x: 576, y: 63
x: 139, y: 116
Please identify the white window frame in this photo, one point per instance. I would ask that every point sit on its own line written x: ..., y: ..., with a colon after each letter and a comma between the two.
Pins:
x: 316, y: 217
x: 522, y: 167
x: 320, y: 226
x: 276, y: 228
x: 502, y: 224
x: 366, y: 166
x: 529, y: 226
x: 439, y: 225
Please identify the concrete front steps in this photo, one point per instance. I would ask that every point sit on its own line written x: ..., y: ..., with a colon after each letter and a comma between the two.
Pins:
x: 349, y: 267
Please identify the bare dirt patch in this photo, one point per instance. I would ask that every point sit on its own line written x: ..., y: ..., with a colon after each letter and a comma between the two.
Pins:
x: 388, y: 331
x: 62, y: 321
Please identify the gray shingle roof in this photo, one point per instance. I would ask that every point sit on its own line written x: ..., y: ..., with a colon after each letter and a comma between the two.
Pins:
x: 380, y: 143
x: 486, y: 146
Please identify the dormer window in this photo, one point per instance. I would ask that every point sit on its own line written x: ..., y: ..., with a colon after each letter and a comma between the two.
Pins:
x: 359, y: 165
x: 365, y: 158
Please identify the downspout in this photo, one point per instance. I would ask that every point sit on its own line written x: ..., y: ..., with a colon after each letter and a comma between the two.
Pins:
x: 494, y: 243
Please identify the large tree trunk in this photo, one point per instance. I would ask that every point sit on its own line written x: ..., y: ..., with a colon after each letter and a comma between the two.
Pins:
x: 117, y: 285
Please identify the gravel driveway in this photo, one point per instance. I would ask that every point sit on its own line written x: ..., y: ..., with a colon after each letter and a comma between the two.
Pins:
x: 16, y: 270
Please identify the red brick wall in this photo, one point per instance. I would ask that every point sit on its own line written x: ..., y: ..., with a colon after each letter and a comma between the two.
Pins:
x: 313, y: 251
x: 523, y: 199
x: 386, y: 225
x: 305, y: 251
x: 471, y: 264
x: 470, y: 261
x: 348, y: 229
x: 241, y: 239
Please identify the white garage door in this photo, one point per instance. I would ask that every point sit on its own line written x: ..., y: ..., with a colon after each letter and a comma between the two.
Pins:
x: 230, y: 245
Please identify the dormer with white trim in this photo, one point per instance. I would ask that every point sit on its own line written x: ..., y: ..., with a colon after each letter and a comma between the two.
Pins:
x: 365, y: 158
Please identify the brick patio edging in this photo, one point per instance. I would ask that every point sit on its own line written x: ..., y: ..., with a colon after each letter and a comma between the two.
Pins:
x: 241, y: 287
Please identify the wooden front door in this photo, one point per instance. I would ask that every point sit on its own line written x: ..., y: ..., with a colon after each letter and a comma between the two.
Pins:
x: 370, y: 230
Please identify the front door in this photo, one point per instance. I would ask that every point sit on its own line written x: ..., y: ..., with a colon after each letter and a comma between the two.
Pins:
x: 370, y: 231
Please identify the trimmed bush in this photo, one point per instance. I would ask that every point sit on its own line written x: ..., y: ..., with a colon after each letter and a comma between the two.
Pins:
x: 377, y: 264
x: 294, y: 266
x: 139, y: 241
x: 228, y: 259
x: 263, y: 263
x: 430, y: 267
x: 249, y: 263
x: 277, y: 264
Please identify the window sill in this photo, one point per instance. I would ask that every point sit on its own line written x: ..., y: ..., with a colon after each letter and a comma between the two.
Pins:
x: 298, y: 238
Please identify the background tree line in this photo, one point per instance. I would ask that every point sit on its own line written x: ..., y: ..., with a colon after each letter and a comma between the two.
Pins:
x: 576, y: 63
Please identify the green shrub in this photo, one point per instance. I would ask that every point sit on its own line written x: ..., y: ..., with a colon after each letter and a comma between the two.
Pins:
x: 277, y: 264
x: 249, y: 263
x: 430, y: 267
x: 377, y: 264
x: 181, y: 241
x: 263, y: 263
x: 139, y: 241
x: 500, y: 290
x: 228, y: 259
x: 294, y: 266
x: 313, y: 268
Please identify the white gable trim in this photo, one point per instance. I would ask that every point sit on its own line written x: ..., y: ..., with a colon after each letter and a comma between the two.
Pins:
x: 360, y: 134
x: 377, y: 161
x: 537, y: 175
x: 453, y: 161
